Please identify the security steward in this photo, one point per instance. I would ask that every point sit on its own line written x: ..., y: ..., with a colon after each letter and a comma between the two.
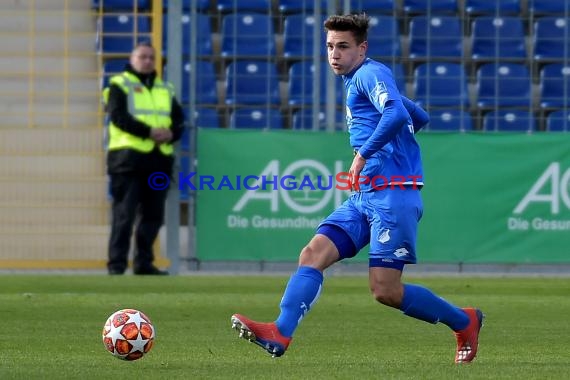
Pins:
x: 145, y: 119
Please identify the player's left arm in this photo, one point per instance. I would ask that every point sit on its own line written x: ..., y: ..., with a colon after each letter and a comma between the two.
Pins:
x: 420, y: 118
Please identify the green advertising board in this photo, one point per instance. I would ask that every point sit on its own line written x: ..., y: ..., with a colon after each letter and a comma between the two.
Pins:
x: 489, y: 198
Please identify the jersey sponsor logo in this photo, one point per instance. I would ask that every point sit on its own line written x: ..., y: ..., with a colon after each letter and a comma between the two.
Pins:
x: 380, y: 93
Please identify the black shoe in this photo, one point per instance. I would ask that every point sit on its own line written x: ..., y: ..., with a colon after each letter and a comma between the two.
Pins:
x: 153, y: 271
x: 115, y: 272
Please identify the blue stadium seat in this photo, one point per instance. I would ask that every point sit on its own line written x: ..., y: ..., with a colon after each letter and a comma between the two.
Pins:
x: 555, y: 86
x: 450, y: 120
x: 509, y: 121
x: 498, y: 38
x: 383, y: 37
x: 558, y: 121
x: 372, y: 6
x: 124, y: 23
x: 112, y: 67
x: 297, y: 40
x: 244, y: 6
x: 503, y: 85
x: 206, y: 118
x: 301, y: 84
x: 247, y: 35
x: 300, y: 6
x: 399, y: 76
x: 436, y: 37
x: 121, y: 5
x: 493, y: 7
x: 542, y: 7
x: 260, y: 118
x: 201, y: 5
x: 206, y: 90
x: 551, y: 39
x: 303, y: 119
x: 430, y: 6
x: 119, y: 45
x: 203, y: 38
x: 440, y: 84
x: 252, y: 82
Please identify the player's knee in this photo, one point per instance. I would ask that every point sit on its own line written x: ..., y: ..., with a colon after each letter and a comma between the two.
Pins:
x: 308, y: 256
x: 386, y: 294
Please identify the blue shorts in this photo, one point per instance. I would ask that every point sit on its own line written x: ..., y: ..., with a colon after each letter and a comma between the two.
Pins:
x: 387, y: 220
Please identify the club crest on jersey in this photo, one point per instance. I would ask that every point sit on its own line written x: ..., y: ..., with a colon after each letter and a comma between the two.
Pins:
x: 380, y: 92
x: 384, y: 236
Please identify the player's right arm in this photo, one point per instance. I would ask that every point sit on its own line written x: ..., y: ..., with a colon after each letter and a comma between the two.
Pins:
x: 420, y: 118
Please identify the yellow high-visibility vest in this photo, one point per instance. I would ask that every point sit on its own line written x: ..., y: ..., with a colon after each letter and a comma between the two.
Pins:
x: 152, y: 107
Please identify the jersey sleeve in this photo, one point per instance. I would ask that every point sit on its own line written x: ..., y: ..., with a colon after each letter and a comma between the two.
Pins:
x: 379, y: 86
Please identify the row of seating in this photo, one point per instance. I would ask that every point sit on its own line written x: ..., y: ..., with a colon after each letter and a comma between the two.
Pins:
x: 249, y: 35
x: 440, y: 120
x: 389, y: 6
x: 435, y: 84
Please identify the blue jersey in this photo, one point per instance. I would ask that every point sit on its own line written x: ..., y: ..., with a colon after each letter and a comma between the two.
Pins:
x: 368, y: 89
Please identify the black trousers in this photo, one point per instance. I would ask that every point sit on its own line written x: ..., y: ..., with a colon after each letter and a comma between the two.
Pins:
x: 134, y: 202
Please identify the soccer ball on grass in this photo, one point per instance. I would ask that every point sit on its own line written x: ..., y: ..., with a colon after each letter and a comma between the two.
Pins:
x: 128, y: 334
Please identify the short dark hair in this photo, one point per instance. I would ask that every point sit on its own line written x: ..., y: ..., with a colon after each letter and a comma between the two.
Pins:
x: 144, y: 43
x: 357, y: 23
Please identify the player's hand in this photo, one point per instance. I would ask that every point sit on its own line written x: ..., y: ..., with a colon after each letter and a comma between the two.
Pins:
x: 355, y: 170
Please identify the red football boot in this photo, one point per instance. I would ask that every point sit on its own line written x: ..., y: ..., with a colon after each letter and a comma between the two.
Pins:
x: 468, y: 338
x: 265, y: 335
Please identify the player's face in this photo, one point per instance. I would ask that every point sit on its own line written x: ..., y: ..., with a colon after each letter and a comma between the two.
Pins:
x: 143, y: 59
x: 343, y: 52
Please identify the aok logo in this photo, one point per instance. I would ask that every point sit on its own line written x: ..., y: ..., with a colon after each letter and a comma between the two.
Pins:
x: 303, y: 200
x: 557, y: 185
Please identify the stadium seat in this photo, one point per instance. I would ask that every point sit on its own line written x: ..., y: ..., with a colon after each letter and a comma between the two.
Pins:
x: 204, y: 34
x: 450, y: 120
x: 558, y: 121
x: 372, y: 6
x: 297, y: 36
x: 206, y: 118
x: 238, y: 6
x: 119, y: 45
x: 124, y: 23
x: 112, y: 67
x: 440, y: 85
x: 252, y: 82
x: 121, y: 5
x: 509, y: 121
x: 201, y: 5
x: 399, y: 76
x: 429, y: 6
x: 492, y: 7
x: 300, y: 84
x: 436, y: 37
x: 260, y: 118
x: 247, y: 35
x: 206, y: 90
x: 300, y: 6
x: 383, y: 37
x: 303, y: 120
x: 498, y: 38
x: 503, y: 85
x: 551, y: 39
x: 555, y: 86
x: 542, y: 7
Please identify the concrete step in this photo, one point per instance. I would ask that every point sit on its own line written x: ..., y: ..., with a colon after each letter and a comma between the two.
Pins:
x: 60, y: 85
x: 79, y: 63
x: 53, y: 242
x: 55, y: 167
x: 49, y: 115
x: 52, y: 44
x: 41, y: 214
x: 74, y: 192
x: 44, y: 5
x: 55, y: 21
x: 32, y: 141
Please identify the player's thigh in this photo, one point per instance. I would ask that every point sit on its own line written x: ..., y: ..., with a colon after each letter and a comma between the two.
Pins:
x: 350, y: 229
x: 393, y: 230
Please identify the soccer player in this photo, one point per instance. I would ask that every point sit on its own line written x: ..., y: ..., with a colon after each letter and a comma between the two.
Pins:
x: 381, y: 125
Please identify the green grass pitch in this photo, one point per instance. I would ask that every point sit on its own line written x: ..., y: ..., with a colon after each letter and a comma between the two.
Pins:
x: 51, y: 329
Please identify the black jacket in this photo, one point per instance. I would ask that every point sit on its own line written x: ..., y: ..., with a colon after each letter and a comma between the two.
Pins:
x: 129, y: 160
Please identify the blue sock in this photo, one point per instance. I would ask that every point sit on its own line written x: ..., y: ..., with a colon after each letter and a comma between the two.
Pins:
x: 420, y: 303
x: 302, y: 292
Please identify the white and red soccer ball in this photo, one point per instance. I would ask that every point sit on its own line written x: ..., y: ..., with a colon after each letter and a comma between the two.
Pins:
x: 128, y: 334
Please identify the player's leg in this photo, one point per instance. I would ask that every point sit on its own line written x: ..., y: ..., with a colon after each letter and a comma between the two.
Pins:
x: 330, y: 244
x: 394, y: 246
